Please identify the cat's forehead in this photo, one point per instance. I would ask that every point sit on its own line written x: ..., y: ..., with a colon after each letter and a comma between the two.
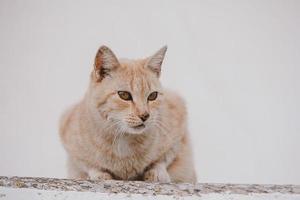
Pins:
x: 134, y: 76
x: 132, y: 64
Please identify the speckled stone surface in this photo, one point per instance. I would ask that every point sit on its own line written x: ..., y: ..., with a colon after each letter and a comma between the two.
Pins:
x: 184, y: 189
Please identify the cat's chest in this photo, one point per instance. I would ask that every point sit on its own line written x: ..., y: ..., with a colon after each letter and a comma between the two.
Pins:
x: 123, y: 149
x: 128, y: 160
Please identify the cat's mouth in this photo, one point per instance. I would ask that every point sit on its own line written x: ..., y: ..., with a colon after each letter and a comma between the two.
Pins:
x: 138, y: 127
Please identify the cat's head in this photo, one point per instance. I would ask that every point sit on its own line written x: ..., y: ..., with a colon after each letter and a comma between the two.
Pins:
x: 127, y: 93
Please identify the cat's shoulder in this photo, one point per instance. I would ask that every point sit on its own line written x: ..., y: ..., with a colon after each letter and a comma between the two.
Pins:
x: 175, y: 103
x: 67, y: 117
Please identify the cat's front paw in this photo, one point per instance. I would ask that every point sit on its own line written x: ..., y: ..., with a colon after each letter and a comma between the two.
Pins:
x: 99, y: 175
x: 157, y: 174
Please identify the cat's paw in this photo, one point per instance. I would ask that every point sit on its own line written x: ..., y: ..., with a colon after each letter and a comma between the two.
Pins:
x: 99, y: 175
x: 157, y: 174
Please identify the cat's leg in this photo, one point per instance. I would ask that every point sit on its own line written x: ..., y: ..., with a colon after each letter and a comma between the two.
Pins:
x: 158, y: 171
x: 182, y: 168
x: 79, y: 170
x: 74, y: 171
x: 175, y: 166
x: 95, y: 174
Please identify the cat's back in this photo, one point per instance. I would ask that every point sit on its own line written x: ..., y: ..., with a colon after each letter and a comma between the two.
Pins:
x: 175, y: 107
x: 66, y: 122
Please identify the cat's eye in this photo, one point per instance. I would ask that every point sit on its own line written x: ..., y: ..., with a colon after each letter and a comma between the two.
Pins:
x: 125, y: 95
x: 152, y: 96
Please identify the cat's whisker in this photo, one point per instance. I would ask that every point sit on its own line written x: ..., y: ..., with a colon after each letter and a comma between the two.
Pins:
x: 110, y: 125
x: 157, y: 122
x: 113, y: 143
x: 117, y: 132
x: 162, y: 130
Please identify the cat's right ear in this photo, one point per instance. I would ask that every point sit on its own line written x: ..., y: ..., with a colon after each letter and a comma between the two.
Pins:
x: 105, y: 62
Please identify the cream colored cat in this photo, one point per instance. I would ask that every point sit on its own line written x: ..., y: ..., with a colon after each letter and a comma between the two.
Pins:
x: 127, y: 127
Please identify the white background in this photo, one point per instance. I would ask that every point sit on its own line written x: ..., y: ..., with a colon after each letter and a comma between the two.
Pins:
x: 235, y: 62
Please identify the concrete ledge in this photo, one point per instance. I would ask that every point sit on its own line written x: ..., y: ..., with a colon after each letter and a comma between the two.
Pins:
x: 51, y: 188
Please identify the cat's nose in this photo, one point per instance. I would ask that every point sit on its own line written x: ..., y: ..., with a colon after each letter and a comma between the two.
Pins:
x: 144, y: 116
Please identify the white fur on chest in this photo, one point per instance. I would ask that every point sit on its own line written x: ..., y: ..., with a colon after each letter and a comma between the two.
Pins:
x: 122, y: 148
x: 128, y: 161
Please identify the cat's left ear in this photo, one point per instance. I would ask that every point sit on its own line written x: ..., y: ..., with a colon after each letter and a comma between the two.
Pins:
x: 154, y: 62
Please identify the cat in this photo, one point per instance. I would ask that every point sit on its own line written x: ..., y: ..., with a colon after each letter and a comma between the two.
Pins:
x: 127, y: 126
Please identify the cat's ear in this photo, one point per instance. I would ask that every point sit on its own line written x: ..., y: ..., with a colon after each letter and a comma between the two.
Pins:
x: 105, y: 62
x: 154, y: 62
